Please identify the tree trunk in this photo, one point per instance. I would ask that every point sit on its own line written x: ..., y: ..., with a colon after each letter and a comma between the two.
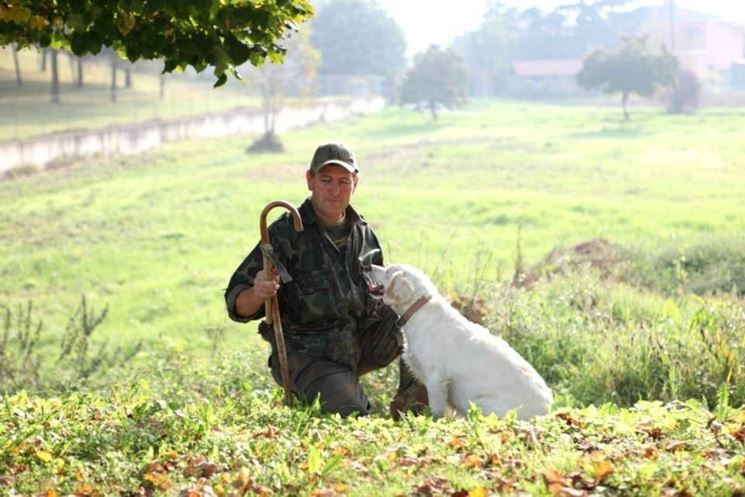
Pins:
x: 79, y: 82
x: 19, y: 81
x: 161, y: 86
x: 433, y: 110
x: 71, y: 59
x: 43, y: 60
x: 128, y: 77
x: 113, y: 79
x: 624, y: 102
x: 55, y: 77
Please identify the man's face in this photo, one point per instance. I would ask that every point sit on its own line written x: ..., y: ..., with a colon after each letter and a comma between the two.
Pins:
x: 332, y: 187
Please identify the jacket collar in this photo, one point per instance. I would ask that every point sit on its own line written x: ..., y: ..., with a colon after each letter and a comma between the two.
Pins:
x: 308, y: 215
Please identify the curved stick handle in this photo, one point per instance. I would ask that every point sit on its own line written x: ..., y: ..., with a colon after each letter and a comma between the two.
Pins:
x: 271, y: 306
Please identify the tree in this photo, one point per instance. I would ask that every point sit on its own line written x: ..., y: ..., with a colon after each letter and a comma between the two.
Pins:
x: 437, y: 79
x: 199, y: 33
x: 358, y: 37
x: 486, y: 52
x: 296, y: 76
x: 630, y: 69
x: 55, y: 76
x: 19, y: 81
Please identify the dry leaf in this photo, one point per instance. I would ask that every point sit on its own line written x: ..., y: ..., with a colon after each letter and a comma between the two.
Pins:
x: 673, y: 446
x: 456, y: 443
x: 472, y: 461
x: 85, y: 490
x: 602, y: 470
x: 478, y: 492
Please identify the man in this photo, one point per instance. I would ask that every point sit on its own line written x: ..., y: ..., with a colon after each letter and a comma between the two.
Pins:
x: 335, y: 331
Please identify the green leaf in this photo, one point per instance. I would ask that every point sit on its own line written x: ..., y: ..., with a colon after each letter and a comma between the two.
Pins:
x: 315, y: 461
x: 221, y: 80
x: 237, y: 51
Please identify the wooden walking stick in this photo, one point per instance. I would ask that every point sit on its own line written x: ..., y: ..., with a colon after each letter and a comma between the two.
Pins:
x: 271, y: 305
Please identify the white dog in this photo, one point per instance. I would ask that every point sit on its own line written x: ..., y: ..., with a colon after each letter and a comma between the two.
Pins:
x: 458, y: 361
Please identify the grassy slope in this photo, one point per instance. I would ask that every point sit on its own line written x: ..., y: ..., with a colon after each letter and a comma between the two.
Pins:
x: 156, y: 236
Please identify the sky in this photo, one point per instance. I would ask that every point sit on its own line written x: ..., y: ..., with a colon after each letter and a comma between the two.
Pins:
x: 427, y: 22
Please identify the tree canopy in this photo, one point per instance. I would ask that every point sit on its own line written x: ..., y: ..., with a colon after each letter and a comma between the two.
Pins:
x: 437, y: 79
x: 632, y: 68
x: 358, y: 37
x: 198, y: 33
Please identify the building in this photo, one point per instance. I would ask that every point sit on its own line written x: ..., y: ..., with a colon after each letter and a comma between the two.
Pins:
x: 704, y: 44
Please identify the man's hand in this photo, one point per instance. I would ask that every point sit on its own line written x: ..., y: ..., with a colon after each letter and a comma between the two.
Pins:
x: 251, y: 299
x: 266, y: 285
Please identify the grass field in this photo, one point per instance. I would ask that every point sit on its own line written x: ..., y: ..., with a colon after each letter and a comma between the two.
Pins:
x: 156, y: 236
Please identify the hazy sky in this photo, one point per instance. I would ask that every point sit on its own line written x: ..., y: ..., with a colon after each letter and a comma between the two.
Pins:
x: 438, y: 21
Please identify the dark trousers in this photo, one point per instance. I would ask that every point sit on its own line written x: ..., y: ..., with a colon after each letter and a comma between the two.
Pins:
x: 337, y: 385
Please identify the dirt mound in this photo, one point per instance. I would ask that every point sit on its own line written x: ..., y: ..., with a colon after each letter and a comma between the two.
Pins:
x: 598, y: 254
x: 474, y: 309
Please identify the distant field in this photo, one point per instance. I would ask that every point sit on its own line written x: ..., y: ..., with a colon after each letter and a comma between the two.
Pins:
x: 27, y: 110
x: 156, y: 236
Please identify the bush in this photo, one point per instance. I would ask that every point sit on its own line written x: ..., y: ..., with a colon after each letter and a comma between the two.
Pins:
x: 685, y: 96
x: 708, y: 266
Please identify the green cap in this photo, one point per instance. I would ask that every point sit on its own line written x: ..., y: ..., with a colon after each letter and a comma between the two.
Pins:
x: 334, y: 153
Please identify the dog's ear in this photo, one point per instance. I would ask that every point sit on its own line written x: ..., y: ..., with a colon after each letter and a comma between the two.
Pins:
x: 398, y: 288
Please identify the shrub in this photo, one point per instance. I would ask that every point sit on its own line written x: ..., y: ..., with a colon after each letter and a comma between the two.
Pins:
x: 685, y: 95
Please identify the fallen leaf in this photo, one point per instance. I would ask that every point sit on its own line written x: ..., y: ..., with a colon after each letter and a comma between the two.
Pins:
x: 44, y: 456
x: 472, y: 461
x: 739, y: 434
x: 158, y: 480
x: 650, y: 453
x: 603, y: 469
x: 456, y: 443
x: 674, y: 446
x: 85, y: 490
x: 553, y: 480
x: 324, y: 492
x: 570, y: 420
x: 478, y: 492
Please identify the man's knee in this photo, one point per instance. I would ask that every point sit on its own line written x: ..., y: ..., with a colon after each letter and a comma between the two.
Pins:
x: 336, y: 387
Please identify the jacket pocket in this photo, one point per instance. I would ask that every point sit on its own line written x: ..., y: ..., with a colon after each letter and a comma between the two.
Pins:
x: 315, y: 295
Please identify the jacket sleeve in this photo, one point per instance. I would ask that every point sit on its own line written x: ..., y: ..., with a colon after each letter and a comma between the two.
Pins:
x: 243, y: 278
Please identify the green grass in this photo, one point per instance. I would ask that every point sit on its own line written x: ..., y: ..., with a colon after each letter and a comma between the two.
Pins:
x: 213, y: 434
x: 156, y: 236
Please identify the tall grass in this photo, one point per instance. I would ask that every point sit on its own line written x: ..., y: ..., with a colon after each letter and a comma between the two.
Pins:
x: 598, y: 341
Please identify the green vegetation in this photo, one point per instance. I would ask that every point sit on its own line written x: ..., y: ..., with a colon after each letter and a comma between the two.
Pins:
x: 167, y: 395
x: 218, y: 35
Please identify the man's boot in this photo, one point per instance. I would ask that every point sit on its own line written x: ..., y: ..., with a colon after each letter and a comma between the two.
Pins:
x: 411, y: 395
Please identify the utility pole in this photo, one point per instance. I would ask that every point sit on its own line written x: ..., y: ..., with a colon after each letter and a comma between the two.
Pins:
x: 672, y: 25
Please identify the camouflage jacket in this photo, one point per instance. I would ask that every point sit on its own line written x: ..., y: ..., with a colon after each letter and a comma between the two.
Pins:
x: 328, y: 291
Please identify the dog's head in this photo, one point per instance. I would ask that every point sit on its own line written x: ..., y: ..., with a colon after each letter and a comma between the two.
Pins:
x: 400, y: 285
